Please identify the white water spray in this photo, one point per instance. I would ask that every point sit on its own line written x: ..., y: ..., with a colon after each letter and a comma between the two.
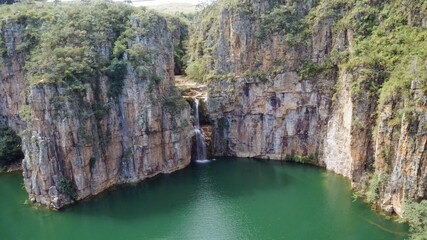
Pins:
x: 200, y: 139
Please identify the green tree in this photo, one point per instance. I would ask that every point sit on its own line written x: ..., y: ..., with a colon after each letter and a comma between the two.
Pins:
x: 10, y: 147
x: 416, y: 216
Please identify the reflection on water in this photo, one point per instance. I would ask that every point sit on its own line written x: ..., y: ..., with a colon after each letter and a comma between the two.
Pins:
x: 224, y: 199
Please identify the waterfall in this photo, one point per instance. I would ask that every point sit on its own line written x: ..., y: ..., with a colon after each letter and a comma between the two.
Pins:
x: 200, y: 139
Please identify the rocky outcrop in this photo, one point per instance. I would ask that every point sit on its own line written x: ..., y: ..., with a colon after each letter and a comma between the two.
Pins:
x: 78, y: 145
x: 261, y: 107
x: 401, y: 153
x: 12, y: 84
x: 12, y: 91
x: 276, y: 94
x: 337, y: 145
x: 272, y: 119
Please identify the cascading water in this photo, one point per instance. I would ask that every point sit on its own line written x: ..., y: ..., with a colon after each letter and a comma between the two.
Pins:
x: 200, y: 139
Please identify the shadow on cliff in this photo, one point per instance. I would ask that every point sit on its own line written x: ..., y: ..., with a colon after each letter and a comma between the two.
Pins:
x: 162, y: 195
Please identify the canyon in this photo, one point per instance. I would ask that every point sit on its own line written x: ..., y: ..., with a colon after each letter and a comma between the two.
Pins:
x: 293, y: 89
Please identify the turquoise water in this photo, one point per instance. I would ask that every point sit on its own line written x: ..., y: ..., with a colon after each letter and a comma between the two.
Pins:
x: 223, y: 199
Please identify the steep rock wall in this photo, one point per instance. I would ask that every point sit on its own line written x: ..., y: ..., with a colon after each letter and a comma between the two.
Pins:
x: 79, y: 144
x: 401, y: 153
x: 12, y: 88
x: 266, y: 101
x: 259, y: 105
x: 275, y: 119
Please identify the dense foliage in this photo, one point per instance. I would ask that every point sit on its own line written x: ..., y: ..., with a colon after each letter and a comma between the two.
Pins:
x: 10, y: 147
x: 66, y: 187
x: 70, y: 45
x: 178, y: 26
x: 416, y: 215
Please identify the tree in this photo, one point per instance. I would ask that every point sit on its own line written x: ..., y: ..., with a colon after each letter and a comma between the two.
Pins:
x: 10, y: 147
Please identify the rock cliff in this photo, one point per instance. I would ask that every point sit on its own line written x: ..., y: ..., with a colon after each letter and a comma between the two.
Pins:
x: 12, y: 94
x: 296, y: 80
x: 81, y: 137
x: 339, y: 84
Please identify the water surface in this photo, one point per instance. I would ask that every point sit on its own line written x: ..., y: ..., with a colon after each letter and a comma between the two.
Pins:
x: 224, y: 199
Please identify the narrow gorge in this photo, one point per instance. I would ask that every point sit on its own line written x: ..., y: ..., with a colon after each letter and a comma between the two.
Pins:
x: 93, y: 93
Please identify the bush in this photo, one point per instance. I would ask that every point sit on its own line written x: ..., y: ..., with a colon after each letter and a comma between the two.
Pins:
x: 310, y: 159
x: 65, y: 41
x: 309, y: 70
x: 173, y: 102
x: 66, y: 187
x: 196, y: 70
x: 416, y: 216
x: 137, y: 55
x: 10, y: 147
x: 285, y: 19
x: 376, y: 182
x: 116, y: 72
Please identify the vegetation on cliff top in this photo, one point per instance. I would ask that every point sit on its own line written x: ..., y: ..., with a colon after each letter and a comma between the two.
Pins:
x: 73, y: 44
x: 67, y: 44
x: 287, y: 20
x: 374, y: 59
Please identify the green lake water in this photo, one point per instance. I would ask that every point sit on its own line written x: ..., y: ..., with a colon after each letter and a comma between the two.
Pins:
x: 224, y: 199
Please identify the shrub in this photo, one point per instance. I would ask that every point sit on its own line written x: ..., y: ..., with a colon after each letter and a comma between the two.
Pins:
x: 416, y: 216
x: 173, y: 102
x: 196, y: 70
x: 137, y: 55
x: 25, y: 113
x: 310, y: 159
x: 387, y: 154
x: 65, y: 42
x: 10, y: 147
x: 286, y: 19
x: 116, y: 72
x: 66, y: 187
x: 376, y: 182
x: 309, y: 70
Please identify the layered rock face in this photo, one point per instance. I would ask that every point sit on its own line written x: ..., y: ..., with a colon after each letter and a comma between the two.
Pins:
x: 287, y: 80
x: 12, y: 91
x: 272, y: 95
x: 274, y: 115
x: 78, y: 145
x: 401, y: 153
x: 273, y: 119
